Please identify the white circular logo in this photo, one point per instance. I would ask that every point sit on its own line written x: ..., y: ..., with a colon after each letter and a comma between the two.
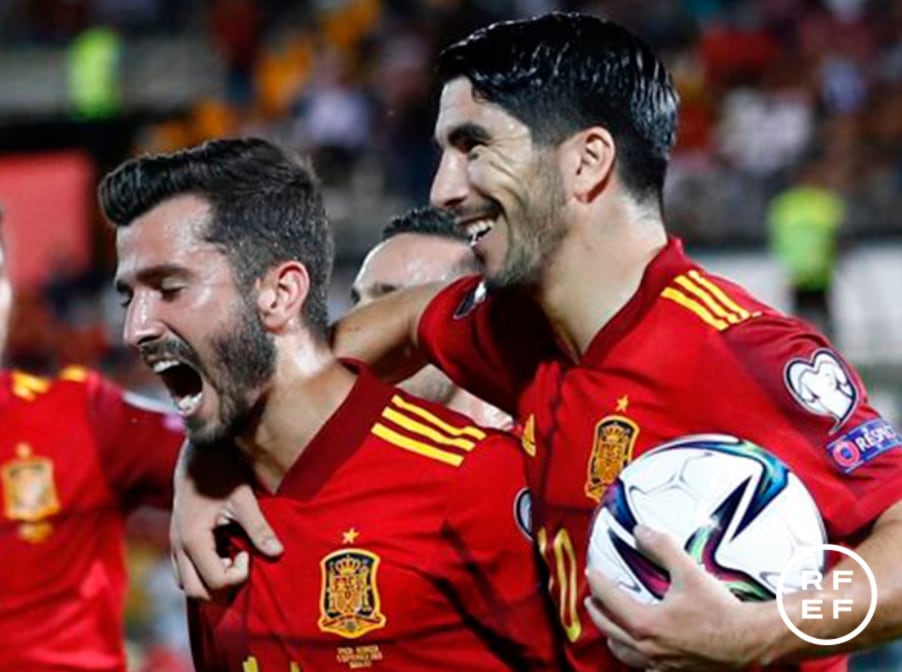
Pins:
x: 812, y: 608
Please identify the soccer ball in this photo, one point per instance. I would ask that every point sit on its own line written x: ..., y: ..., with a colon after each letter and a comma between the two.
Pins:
x: 734, y: 507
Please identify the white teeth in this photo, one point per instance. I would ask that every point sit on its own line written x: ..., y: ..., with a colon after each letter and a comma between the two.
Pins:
x: 477, y: 229
x: 187, y: 405
x: 164, y: 365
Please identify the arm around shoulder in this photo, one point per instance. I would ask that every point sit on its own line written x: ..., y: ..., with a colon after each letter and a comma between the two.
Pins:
x: 383, y: 333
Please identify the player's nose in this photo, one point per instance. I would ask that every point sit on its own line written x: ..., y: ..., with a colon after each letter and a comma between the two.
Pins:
x: 141, y: 322
x: 450, y: 185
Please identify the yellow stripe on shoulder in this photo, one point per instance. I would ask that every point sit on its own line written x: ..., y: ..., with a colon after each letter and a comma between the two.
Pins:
x: 426, y: 431
x: 26, y: 386
x: 422, y: 413
x: 415, y: 446
x: 75, y: 374
x: 708, y: 301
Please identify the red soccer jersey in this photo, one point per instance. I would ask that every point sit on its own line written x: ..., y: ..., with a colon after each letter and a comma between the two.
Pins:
x: 688, y: 354
x: 406, y: 551
x: 76, y: 454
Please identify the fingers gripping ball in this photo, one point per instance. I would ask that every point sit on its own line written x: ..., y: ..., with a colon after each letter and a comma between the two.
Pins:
x: 733, y: 506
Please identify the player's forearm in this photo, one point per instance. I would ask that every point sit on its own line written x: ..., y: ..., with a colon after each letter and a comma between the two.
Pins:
x: 846, y: 596
x: 383, y: 333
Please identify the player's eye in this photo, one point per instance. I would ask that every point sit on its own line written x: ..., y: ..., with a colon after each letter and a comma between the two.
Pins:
x: 170, y: 292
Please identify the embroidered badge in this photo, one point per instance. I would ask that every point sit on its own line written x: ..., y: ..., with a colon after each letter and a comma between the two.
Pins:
x: 615, y: 437
x: 821, y: 385
x: 523, y: 512
x: 471, y: 300
x: 349, y: 603
x: 862, y: 444
x: 30, y: 493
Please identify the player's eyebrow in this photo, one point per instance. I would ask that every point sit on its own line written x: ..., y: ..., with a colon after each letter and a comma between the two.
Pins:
x: 467, y: 134
x: 150, y: 275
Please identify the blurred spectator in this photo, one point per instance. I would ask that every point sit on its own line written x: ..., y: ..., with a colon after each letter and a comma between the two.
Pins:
x: 93, y: 67
x: 804, y: 223
x: 333, y: 118
x: 236, y: 29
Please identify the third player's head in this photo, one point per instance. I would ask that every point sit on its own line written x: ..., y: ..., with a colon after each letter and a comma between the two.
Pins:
x: 223, y: 249
x: 540, y: 118
x: 419, y: 247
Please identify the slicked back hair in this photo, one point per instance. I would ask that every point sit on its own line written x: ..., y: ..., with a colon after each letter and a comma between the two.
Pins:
x: 431, y: 221
x: 266, y: 208
x: 561, y: 73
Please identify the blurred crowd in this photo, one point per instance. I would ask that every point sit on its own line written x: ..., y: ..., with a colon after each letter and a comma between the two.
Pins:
x: 788, y: 106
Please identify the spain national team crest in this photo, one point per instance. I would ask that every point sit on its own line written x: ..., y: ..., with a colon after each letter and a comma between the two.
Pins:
x: 615, y: 437
x: 29, y: 493
x: 349, y: 605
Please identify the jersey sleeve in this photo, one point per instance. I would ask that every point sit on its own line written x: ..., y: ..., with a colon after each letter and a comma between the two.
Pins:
x: 492, y: 565
x: 825, y: 428
x: 488, y: 344
x: 138, y: 443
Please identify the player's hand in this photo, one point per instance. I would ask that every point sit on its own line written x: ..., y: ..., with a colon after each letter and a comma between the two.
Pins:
x: 212, y: 490
x: 699, y: 625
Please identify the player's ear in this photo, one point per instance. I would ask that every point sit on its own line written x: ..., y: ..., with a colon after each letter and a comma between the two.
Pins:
x: 281, y: 293
x: 589, y: 162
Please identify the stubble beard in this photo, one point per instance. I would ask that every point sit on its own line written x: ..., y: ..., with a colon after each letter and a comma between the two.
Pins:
x: 538, y: 236
x: 245, y: 362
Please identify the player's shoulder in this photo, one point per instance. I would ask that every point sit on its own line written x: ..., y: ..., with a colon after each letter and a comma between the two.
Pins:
x: 70, y: 381
x: 430, y: 436
x: 724, y: 323
x: 707, y: 304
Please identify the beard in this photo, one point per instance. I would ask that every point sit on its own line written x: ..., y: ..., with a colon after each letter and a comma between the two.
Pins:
x: 537, y: 235
x: 245, y: 362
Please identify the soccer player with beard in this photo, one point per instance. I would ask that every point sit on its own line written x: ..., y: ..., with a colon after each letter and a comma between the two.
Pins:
x: 77, y: 454
x: 405, y: 551
x: 604, y: 340
x: 423, y: 246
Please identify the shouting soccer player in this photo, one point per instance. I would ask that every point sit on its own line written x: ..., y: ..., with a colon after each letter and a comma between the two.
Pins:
x: 604, y: 339
x: 76, y: 455
x: 407, y: 540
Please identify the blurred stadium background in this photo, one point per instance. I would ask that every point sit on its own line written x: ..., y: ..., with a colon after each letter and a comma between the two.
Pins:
x: 786, y: 178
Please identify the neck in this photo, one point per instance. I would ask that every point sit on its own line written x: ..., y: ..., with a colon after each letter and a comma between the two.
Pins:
x: 598, y: 269
x: 308, y: 387
x: 481, y: 412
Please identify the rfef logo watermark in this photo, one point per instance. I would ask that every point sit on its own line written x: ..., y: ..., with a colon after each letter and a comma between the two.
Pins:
x: 816, y: 608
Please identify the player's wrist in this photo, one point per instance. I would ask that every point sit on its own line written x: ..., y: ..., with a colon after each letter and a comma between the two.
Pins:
x: 770, y: 641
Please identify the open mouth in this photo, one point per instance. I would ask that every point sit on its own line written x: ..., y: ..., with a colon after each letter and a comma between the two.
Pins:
x: 477, y: 229
x: 183, y: 382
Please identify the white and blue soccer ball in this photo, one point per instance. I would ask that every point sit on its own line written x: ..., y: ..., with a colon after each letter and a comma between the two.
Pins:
x: 734, y: 507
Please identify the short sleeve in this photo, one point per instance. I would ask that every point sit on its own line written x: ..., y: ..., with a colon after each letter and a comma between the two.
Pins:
x: 138, y: 443
x: 489, y: 344
x: 813, y: 411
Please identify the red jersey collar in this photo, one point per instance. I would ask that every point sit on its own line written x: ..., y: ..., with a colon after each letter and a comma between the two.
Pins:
x: 342, y: 435
x: 666, y: 265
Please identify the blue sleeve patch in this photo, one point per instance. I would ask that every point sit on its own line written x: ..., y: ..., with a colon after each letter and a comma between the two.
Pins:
x: 862, y: 444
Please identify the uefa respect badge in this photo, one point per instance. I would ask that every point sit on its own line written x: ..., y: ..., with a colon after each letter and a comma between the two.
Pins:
x: 818, y: 608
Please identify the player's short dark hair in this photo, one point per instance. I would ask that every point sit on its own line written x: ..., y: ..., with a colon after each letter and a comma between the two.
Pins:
x: 562, y: 72
x: 431, y: 221
x: 266, y: 205
x: 427, y: 220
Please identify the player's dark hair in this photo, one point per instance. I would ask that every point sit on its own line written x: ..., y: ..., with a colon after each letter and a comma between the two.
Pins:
x: 431, y: 221
x: 265, y: 201
x: 560, y: 73
x: 426, y: 220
